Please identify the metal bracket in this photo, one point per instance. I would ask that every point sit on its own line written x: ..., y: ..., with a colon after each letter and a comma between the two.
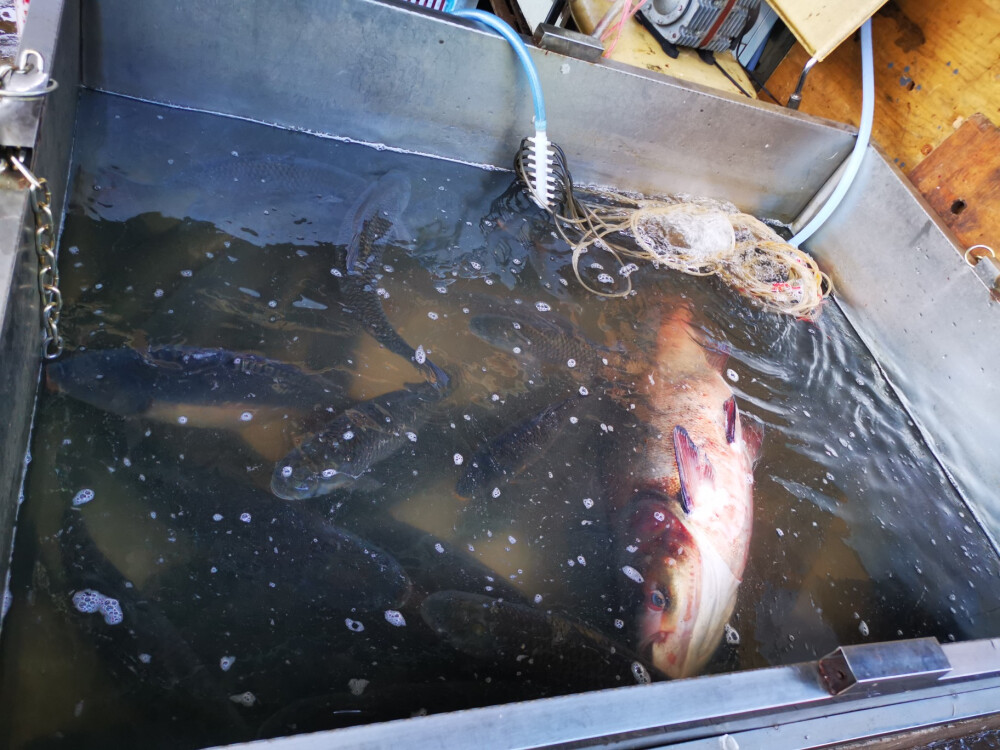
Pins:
x: 570, y: 43
x: 887, y: 667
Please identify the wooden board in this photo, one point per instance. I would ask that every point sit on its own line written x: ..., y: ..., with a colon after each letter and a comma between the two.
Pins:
x: 822, y: 25
x: 935, y: 64
x: 961, y: 181
x: 638, y: 47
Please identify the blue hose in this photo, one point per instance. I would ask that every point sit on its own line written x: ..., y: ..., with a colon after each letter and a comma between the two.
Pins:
x: 860, y: 146
x: 488, y: 19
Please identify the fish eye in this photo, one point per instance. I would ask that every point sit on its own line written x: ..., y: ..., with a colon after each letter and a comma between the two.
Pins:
x: 657, y: 599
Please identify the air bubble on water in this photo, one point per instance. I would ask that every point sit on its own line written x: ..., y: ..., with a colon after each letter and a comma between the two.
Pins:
x: 458, y: 459
x: 226, y: 662
x: 581, y: 559
x: 542, y: 306
x: 516, y: 350
x: 632, y: 549
x: 112, y: 611
x: 382, y: 292
x: 182, y: 419
x: 273, y: 303
x: 573, y: 420
x: 641, y: 674
x: 538, y: 599
x: 393, y: 617
x: 830, y: 451
x: 145, y: 658
x: 328, y: 473
x: 245, y: 517
x: 863, y: 628
x: 246, y: 416
x: 441, y: 289
x: 780, y: 532
x: 588, y: 502
x: 659, y: 515
x: 495, y: 397
x: 411, y: 436
x: 476, y: 265
x: 127, y: 462
x: 87, y: 601
x: 571, y: 362
x: 217, y: 517
x: 439, y: 548
x: 632, y: 573
x: 605, y: 278
x: 732, y: 636
x: 583, y: 390
x: 213, y: 569
x: 349, y: 435
x: 496, y: 492
x: 286, y: 471
x: 619, y: 624
x: 470, y: 548
x: 731, y: 374
x: 83, y: 497
x: 420, y: 356
x: 158, y: 293
x: 187, y: 273
x: 246, y: 699
x: 336, y: 272
x: 357, y: 686
x: 511, y: 539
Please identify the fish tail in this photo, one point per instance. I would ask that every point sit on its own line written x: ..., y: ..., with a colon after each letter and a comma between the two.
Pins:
x: 438, y: 377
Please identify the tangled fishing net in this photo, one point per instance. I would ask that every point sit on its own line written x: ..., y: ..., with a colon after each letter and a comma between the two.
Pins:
x: 695, y: 236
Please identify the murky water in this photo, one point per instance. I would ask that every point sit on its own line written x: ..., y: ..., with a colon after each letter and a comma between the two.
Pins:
x: 163, y: 595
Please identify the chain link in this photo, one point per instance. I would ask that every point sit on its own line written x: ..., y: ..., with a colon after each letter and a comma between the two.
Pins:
x: 48, y: 271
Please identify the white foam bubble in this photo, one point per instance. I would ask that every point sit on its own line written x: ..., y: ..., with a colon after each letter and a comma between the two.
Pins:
x: 632, y: 573
x: 439, y: 548
x: 226, y: 662
x: 246, y: 416
x: 246, y: 699
x: 542, y: 306
x: 83, y: 497
x: 217, y: 517
x: 411, y: 436
x: 458, y: 459
x: 395, y: 618
x: 349, y: 435
x: 354, y: 625
x: 641, y: 674
x: 112, y: 611
x: 286, y: 471
x: 495, y: 493
x: 732, y: 636
x: 420, y: 356
x: 571, y: 362
x: 245, y: 517
x: 619, y: 624
x: 328, y: 473
x: 583, y: 390
x: 588, y: 502
x: 145, y: 658
x: 87, y: 601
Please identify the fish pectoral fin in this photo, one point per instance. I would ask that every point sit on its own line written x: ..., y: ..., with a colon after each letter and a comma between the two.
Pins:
x: 693, y: 467
x: 732, y: 417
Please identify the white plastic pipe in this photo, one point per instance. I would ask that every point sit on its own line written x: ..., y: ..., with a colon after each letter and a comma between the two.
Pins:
x: 860, y: 146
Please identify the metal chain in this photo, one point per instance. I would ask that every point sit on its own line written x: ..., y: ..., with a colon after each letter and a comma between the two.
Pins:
x: 48, y: 272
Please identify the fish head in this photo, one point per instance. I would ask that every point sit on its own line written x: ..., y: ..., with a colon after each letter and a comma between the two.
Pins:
x: 501, y: 331
x: 687, y: 590
x: 298, y: 476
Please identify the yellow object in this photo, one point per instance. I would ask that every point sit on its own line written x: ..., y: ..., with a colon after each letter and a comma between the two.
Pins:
x: 821, y: 25
x: 639, y: 48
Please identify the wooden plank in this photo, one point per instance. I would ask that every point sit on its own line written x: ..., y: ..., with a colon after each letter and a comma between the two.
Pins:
x: 961, y: 181
x: 639, y: 48
x: 935, y: 64
x: 822, y: 25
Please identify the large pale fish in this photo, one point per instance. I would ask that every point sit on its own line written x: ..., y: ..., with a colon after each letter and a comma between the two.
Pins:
x: 685, y: 501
